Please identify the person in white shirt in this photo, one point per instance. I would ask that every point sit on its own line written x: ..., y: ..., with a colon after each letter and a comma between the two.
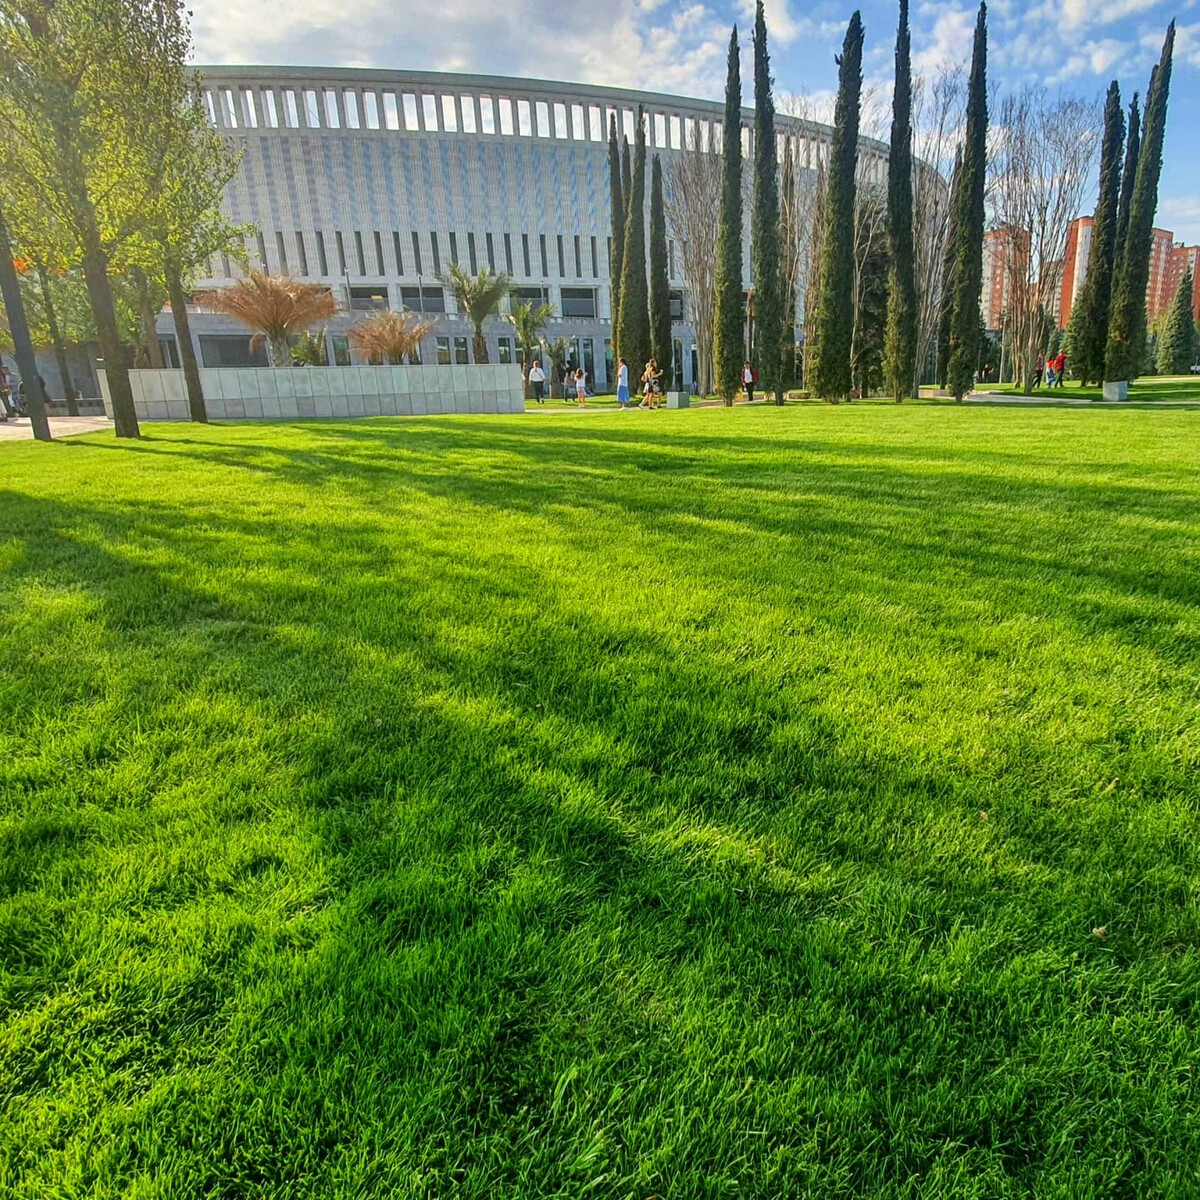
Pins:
x: 623, y: 383
x: 537, y: 381
x: 581, y: 386
x: 748, y: 381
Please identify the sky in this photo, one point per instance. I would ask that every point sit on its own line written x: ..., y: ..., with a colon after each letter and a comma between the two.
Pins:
x: 680, y: 46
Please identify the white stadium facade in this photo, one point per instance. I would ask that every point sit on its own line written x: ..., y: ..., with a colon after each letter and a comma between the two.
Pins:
x: 375, y: 181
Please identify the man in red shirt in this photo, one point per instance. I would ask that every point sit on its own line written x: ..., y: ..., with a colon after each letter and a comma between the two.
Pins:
x: 1060, y: 362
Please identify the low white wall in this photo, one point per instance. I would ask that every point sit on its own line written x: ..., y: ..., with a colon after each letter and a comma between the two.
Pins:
x: 254, y: 393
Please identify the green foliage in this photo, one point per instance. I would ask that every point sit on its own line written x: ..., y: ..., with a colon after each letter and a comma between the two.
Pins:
x: 616, y: 201
x: 835, y: 315
x: 528, y: 321
x: 1127, y: 321
x: 1177, y: 340
x: 309, y: 350
x: 764, y: 230
x: 946, y: 299
x: 872, y: 284
x: 900, y: 359
x: 661, y: 348
x: 478, y: 299
x: 527, y: 807
x: 729, y: 344
x: 632, y: 336
x: 1089, y: 315
x: 968, y: 250
x: 788, y: 269
x: 1128, y: 179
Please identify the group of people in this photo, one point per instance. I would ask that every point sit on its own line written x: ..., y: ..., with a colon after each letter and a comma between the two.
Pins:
x: 12, y: 394
x: 1053, y: 368
x: 651, y: 381
x: 572, y: 381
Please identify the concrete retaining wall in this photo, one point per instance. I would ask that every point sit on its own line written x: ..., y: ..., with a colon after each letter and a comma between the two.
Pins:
x: 255, y: 393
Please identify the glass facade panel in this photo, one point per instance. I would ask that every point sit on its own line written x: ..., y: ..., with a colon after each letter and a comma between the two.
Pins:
x: 312, y: 112
x: 370, y: 104
x: 429, y: 108
x: 443, y: 351
x: 449, y: 115
x: 411, y: 121
x: 350, y: 104
x: 487, y: 115
x: 332, y: 121
x: 460, y: 350
x: 577, y: 129
x: 467, y: 105
x: 270, y: 114
x: 506, y: 116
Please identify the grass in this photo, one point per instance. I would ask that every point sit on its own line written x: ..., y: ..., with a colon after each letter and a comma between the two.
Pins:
x: 770, y: 803
x: 1151, y: 389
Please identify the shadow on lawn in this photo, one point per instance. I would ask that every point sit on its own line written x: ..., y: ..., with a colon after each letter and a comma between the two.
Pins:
x: 561, y: 844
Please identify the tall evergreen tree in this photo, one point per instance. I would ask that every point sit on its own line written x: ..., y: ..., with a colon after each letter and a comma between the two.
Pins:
x: 632, y: 334
x: 900, y: 355
x: 764, y: 250
x: 1127, y: 323
x: 616, y: 196
x: 968, y: 256
x: 1089, y: 317
x: 835, y: 316
x: 729, y: 345
x: 1133, y: 147
x: 626, y: 181
x: 1177, y: 341
x: 946, y: 299
x: 660, y: 289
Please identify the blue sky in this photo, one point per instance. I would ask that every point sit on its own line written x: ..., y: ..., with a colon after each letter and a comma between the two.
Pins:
x: 679, y: 46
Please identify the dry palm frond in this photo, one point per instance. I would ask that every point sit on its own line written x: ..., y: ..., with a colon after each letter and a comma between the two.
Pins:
x: 276, y: 307
x: 389, y: 336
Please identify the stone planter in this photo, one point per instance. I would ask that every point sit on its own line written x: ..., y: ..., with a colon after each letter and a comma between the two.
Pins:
x: 1117, y: 391
x: 679, y: 399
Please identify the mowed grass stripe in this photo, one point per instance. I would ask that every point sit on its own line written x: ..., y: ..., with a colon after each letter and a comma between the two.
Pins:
x: 681, y: 804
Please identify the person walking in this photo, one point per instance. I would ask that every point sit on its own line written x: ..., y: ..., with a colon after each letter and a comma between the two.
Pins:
x: 622, y: 383
x: 1049, y: 372
x: 580, y: 385
x: 1037, y: 372
x: 5, y: 392
x: 748, y: 381
x: 537, y: 381
x: 1060, y: 367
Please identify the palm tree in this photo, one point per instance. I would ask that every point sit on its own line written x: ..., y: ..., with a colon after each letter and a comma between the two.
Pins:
x: 309, y: 350
x: 557, y: 350
x: 478, y: 298
x: 389, y: 336
x: 276, y: 307
x: 528, y: 321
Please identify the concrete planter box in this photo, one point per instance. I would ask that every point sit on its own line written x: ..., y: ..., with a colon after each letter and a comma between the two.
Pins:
x: 306, y: 393
x: 1116, y: 391
x: 679, y: 399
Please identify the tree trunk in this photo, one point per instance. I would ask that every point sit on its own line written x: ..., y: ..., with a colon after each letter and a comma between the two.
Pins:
x: 116, y: 364
x: 480, y: 347
x: 154, y: 356
x: 60, y: 349
x: 183, y: 336
x: 14, y: 306
x: 279, y: 352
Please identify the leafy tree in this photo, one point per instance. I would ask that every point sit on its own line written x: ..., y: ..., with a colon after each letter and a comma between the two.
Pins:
x: 478, y: 298
x: 764, y: 232
x: 900, y: 363
x: 661, y: 348
x: 835, y: 317
x: 1127, y: 322
x: 632, y: 336
x: 616, y: 197
x: 1089, y: 316
x: 1133, y: 147
x: 728, y: 342
x: 528, y: 321
x: 1177, y: 343
x: 277, y: 308
x: 626, y: 187
x: 968, y: 257
x: 14, y: 307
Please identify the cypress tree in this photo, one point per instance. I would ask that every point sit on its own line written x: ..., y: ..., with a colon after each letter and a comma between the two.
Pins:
x: 946, y: 299
x: 900, y: 354
x: 1089, y: 317
x: 1127, y: 323
x: 728, y: 342
x: 1177, y: 342
x: 633, y: 328
x: 831, y: 368
x: 616, y: 196
x: 968, y: 257
x: 660, y: 291
x: 768, y: 298
x: 787, y: 271
x: 626, y: 178
x: 1133, y: 146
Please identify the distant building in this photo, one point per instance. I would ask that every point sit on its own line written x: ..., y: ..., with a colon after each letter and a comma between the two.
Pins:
x: 1158, y: 299
x: 1183, y: 259
x: 1079, y: 247
x: 1005, y: 250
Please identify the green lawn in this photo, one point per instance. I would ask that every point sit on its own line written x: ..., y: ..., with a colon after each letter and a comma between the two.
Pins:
x: 759, y: 803
x: 1152, y: 389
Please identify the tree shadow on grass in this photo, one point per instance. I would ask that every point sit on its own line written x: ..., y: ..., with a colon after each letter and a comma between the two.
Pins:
x: 554, y: 900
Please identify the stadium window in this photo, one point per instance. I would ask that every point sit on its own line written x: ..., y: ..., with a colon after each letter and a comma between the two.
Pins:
x: 370, y: 110
x: 543, y: 118
x: 301, y: 253
x: 471, y: 260
x: 609, y: 116
x: 281, y: 250
x: 506, y: 116
x: 359, y: 257
x: 262, y: 251
x: 443, y: 351
x: 210, y: 107
x: 595, y: 261
x: 675, y: 300
x: 270, y: 113
x: 491, y: 252
x: 579, y: 302
x: 368, y: 297
x: 416, y: 251
x: 433, y: 249
x: 467, y: 104
x: 525, y: 252
x: 350, y: 104
x: 322, y: 261
x: 595, y: 123
x: 396, y: 252
x: 391, y: 111
x: 689, y: 133
x: 524, y: 124
x: 429, y: 109
x: 560, y: 121
x: 341, y: 249
x: 705, y: 144
x: 449, y: 115
x: 454, y: 248
x: 423, y: 299
x: 312, y: 112
x: 379, y: 253
x: 578, y: 258
x: 504, y: 349
x: 508, y: 261
x: 341, y: 350
x: 562, y: 262
x: 627, y: 124
x: 411, y: 121
x: 578, y: 132
x: 332, y: 119
x: 545, y: 260
x: 676, y: 134
x: 250, y: 107
x: 660, y: 131
x: 487, y: 115
x: 291, y: 113
x: 460, y: 350
x: 228, y: 110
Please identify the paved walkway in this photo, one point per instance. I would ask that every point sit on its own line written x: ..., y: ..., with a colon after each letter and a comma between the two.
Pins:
x: 1048, y: 400
x: 17, y: 429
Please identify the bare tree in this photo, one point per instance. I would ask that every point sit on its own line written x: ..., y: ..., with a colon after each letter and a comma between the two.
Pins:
x: 870, y: 241
x: 938, y: 116
x: 1042, y: 157
x: 692, y: 204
